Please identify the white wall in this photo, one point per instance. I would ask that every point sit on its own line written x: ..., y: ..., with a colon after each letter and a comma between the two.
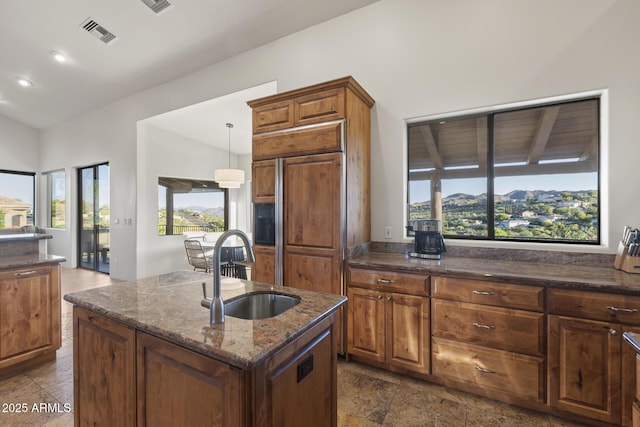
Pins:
x: 163, y: 153
x: 19, y: 146
x: 416, y: 58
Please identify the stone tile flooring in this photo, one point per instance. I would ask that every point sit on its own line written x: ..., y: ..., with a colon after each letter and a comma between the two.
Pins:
x: 366, y: 396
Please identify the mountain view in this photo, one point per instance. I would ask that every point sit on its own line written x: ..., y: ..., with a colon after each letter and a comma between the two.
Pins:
x: 521, y: 214
x: 193, y: 218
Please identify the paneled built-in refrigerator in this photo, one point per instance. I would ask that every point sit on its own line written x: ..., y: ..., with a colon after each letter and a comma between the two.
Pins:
x: 310, y: 184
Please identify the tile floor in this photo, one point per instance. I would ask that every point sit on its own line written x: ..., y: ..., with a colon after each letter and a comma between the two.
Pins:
x: 366, y: 396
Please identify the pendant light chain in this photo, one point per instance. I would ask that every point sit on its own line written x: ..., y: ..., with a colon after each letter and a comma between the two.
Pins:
x: 230, y: 125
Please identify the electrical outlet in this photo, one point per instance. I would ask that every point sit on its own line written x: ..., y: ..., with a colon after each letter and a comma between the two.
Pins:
x: 387, y: 232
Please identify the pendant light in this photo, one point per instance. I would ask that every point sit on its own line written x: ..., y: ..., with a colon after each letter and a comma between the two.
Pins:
x: 229, y: 178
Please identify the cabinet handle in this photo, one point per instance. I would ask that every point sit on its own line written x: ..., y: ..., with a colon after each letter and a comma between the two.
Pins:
x: 483, y: 326
x: 389, y: 298
x: 624, y: 310
x: 483, y: 370
x: 24, y: 273
x: 379, y: 296
x: 483, y: 293
x: 385, y: 281
x: 613, y: 332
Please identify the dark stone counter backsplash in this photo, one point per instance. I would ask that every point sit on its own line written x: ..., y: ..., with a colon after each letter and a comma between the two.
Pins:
x: 523, y: 255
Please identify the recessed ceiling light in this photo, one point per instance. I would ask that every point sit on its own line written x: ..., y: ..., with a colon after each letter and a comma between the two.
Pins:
x: 24, y: 82
x: 59, y: 57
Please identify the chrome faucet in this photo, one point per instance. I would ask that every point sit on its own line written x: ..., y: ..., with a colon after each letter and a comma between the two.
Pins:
x: 216, y: 310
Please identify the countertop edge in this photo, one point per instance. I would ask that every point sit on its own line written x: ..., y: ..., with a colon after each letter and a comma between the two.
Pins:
x: 598, y: 279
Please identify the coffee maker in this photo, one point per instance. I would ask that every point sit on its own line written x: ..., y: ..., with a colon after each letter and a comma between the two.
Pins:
x: 429, y: 243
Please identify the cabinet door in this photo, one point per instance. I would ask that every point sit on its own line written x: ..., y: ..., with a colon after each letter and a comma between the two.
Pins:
x: 104, y: 392
x: 263, y: 181
x: 584, y: 367
x: 365, y: 324
x: 29, y: 313
x: 273, y: 116
x: 179, y: 387
x: 303, y: 390
x: 264, y: 267
x: 630, y: 370
x: 407, y: 322
x: 312, y: 222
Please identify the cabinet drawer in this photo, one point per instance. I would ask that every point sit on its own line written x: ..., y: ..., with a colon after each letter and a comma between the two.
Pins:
x: 489, y: 293
x: 313, y: 140
x: 506, y: 329
x: 319, y: 107
x: 389, y: 281
x: 623, y: 309
x: 490, y: 369
x: 274, y: 116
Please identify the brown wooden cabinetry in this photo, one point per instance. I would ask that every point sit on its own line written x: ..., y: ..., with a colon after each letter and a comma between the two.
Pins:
x: 586, y: 358
x: 29, y: 316
x: 104, y: 371
x: 124, y: 377
x: 385, y: 324
x: 176, y: 386
x: 484, y: 340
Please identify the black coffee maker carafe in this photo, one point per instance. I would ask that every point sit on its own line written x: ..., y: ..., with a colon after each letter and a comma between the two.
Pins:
x: 429, y: 243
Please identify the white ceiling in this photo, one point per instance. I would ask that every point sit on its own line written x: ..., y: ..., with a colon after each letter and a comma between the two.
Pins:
x: 206, y: 122
x: 149, y: 49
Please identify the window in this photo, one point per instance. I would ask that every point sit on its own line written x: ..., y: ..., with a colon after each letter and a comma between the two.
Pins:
x: 191, y: 205
x: 17, y: 205
x: 57, y: 199
x: 526, y: 174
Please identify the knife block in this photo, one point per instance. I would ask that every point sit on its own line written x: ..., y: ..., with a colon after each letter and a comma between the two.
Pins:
x: 624, y: 262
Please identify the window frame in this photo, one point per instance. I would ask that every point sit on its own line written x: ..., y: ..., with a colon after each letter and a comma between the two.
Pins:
x: 34, y: 214
x: 600, y: 96
x: 212, y: 183
x: 49, y: 175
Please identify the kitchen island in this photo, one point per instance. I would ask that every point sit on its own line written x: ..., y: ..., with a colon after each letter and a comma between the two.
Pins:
x: 145, y: 354
x: 29, y: 301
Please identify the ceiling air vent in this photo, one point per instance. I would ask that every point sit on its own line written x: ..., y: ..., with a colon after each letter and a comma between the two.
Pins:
x: 98, y: 31
x: 157, y: 6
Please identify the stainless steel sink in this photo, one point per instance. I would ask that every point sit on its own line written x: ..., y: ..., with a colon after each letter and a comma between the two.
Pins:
x: 259, y: 305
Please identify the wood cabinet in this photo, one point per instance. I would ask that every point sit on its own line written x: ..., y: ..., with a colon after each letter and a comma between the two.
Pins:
x: 587, y: 362
x: 104, y: 371
x: 126, y: 377
x: 320, y: 136
x: 385, y: 324
x: 482, y: 338
x: 29, y: 316
x: 176, y: 386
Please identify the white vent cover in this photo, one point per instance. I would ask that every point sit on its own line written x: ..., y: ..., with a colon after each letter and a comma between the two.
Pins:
x: 98, y: 31
x: 157, y: 6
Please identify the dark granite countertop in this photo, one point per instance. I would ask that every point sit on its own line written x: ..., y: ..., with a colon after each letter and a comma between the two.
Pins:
x: 168, y: 306
x: 31, y: 260
x: 13, y: 237
x: 575, y: 276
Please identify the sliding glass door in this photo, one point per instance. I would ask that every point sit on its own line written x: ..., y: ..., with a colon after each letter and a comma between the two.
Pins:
x: 93, y: 236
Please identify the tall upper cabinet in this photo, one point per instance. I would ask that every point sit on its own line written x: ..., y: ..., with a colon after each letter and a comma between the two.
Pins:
x: 310, y: 183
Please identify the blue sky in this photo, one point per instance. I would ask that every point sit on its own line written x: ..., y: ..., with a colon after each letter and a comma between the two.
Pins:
x: 17, y: 187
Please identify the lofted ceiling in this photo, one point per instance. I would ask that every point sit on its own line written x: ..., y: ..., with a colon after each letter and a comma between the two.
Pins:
x: 148, y: 48
x: 554, y: 139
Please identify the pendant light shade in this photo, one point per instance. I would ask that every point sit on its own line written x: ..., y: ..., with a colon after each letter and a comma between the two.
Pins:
x: 229, y: 178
